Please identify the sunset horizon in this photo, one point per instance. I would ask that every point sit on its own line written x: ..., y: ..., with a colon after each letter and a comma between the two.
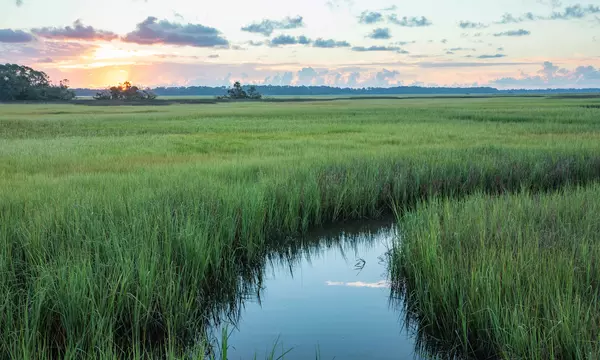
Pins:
x: 533, y: 44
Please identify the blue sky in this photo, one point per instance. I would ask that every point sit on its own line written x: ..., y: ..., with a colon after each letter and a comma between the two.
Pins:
x: 356, y: 43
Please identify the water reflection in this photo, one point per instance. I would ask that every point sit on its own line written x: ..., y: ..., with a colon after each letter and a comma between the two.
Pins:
x: 325, y: 295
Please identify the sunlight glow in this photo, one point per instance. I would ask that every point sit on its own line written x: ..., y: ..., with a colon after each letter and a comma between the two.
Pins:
x: 110, y: 52
x: 114, y: 77
x: 104, y: 53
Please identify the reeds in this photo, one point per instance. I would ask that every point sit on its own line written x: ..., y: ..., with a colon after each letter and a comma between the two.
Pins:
x: 512, y: 277
x: 125, y: 232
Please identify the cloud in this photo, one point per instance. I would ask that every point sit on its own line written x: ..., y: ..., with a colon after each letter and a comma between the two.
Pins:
x: 413, y: 21
x: 289, y: 40
x: 520, y: 32
x: 66, y: 49
x: 511, y: 19
x: 266, y: 27
x: 329, y: 43
x: 335, y: 283
x: 421, y: 56
x: 495, y: 56
x: 176, y: 56
x: 58, y: 51
x: 380, y: 48
x: 343, y: 77
x: 281, y: 79
x: 255, y: 43
x: 378, y: 284
x: 370, y: 17
x: 386, y: 74
x: 76, y: 32
x: 336, y: 77
x: 46, y: 60
x: 549, y: 69
x: 151, y: 31
x: 402, y: 43
x: 353, y: 79
x: 587, y: 72
x: 15, y: 36
x: 576, y: 11
x: 306, y: 76
x: 451, y: 64
x: 466, y: 35
x: 552, y: 76
x: 226, y: 80
x: 301, y: 40
x: 461, y: 49
x: 380, y: 33
x: 471, y: 25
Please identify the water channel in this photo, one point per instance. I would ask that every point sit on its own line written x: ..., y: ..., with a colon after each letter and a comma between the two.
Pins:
x: 326, y: 297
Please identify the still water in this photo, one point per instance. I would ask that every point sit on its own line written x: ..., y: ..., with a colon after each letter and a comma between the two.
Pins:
x: 327, y: 298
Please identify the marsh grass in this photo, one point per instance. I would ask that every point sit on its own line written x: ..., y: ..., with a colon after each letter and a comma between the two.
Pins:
x: 510, y: 277
x: 125, y: 233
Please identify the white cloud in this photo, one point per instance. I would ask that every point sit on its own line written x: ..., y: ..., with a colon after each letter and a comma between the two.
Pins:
x: 377, y: 285
x: 553, y: 76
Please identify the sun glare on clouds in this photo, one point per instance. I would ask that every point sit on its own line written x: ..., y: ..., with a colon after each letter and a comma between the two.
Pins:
x: 111, y: 52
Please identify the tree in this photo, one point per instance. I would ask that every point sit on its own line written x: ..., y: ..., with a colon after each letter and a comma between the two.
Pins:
x: 125, y: 91
x: 253, y: 93
x: 237, y: 92
x: 60, y: 92
x: 19, y: 82
x: 115, y: 92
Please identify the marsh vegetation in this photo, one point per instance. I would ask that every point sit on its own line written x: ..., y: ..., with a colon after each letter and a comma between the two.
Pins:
x: 124, y: 230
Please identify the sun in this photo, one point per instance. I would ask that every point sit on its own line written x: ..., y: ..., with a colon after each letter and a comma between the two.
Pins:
x: 115, y: 76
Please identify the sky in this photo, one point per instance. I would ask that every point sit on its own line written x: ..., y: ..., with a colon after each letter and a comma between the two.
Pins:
x: 348, y: 43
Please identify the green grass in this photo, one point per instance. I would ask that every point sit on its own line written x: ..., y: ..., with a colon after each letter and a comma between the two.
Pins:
x: 512, y: 277
x: 124, y: 230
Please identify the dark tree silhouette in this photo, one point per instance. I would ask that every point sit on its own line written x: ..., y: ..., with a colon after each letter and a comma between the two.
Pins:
x: 19, y: 82
x: 237, y: 92
x: 253, y: 93
x: 125, y: 91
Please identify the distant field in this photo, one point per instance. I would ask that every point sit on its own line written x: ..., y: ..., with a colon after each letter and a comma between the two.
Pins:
x: 124, y: 228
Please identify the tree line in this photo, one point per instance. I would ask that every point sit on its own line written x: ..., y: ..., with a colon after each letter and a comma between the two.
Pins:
x: 22, y: 83
x: 294, y: 90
